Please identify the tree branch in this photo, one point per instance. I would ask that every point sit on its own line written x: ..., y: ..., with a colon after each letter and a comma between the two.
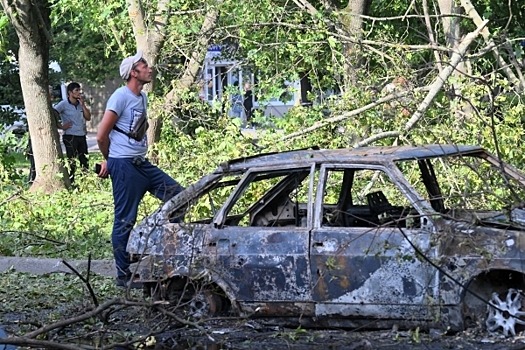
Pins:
x: 197, y: 56
x: 433, y: 90
x: 438, y: 83
x: 85, y: 280
x: 473, y: 14
x: 431, y: 35
x: 323, y: 123
x: 136, y: 16
x: 80, y: 318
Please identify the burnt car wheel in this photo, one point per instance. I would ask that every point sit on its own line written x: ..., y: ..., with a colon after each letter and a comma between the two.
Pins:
x: 507, y: 313
x: 204, y: 303
x: 495, y: 301
x: 188, y: 299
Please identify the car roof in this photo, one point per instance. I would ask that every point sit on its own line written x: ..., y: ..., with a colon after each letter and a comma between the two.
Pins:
x: 361, y: 155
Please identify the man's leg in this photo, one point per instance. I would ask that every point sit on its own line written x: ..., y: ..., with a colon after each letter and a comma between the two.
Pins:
x: 82, y: 151
x: 129, y: 186
x: 161, y: 185
x: 69, y: 143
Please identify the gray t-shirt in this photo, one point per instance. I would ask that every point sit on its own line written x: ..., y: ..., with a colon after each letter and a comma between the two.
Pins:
x: 129, y: 108
x: 74, y: 114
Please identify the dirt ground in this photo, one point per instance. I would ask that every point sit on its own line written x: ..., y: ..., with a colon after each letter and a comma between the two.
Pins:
x: 254, y: 335
x: 25, y: 302
x: 251, y: 334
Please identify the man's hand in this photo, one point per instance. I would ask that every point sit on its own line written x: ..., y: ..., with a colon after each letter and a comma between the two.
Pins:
x: 103, y: 173
x: 67, y: 125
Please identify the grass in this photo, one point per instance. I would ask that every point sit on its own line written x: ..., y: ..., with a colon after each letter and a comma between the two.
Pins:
x: 21, y: 160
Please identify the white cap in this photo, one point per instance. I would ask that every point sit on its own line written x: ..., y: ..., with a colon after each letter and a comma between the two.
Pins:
x: 127, y: 64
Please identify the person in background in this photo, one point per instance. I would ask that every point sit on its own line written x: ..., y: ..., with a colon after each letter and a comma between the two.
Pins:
x: 248, y: 102
x: 131, y: 173
x: 74, y: 114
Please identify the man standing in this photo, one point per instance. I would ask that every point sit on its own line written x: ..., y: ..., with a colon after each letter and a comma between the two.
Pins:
x: 248, y: 102
x: 132, y: 175
x: 73, y: 112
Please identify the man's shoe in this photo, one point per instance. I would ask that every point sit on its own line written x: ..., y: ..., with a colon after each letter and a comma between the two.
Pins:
x: 127, y: 282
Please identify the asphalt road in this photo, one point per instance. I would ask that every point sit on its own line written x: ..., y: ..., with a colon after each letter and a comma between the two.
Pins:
x: 92, y: 142
x: 40, y: 266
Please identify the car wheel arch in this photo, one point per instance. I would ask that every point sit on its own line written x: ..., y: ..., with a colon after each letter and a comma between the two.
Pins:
x: 483, y: 288
x: 211, y: 280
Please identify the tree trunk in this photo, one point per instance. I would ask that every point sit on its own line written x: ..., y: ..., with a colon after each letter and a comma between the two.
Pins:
x: 197, y: 57
x: 31, y: 22
x: 150, y: 39
x: 451, y: 27
x: 352, y: 23
x: 452, y: 30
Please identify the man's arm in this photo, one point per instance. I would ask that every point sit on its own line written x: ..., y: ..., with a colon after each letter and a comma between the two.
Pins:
x: 87, y: 112
x: 60, y: 125
x: 104, y: 128
x: 57, y: 111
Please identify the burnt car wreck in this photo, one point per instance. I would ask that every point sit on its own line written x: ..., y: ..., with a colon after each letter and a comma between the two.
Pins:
x: 429, y: 235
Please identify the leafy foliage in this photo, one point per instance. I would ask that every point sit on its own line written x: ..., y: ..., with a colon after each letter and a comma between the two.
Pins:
x: 278, y: 42
x: 89, y: 38
x: 78, y: 222
x: 44, y: 228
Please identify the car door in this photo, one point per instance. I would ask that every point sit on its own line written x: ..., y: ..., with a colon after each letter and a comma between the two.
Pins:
x: 369, y: 263
x: 261, y: 241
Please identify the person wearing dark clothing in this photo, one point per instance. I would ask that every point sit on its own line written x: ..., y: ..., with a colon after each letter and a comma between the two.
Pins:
x: 32, y: 167
x: 248, y: 102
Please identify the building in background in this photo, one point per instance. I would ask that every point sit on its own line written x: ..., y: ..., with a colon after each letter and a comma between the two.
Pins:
x: 220, y: 75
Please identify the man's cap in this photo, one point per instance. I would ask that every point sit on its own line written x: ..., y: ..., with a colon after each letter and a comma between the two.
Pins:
x: 127, y: 64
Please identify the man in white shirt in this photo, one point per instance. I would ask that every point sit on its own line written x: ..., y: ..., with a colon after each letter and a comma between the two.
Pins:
x: 132, y: 175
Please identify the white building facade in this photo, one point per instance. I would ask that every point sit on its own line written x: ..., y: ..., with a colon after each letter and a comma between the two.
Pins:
x: 221, y: 76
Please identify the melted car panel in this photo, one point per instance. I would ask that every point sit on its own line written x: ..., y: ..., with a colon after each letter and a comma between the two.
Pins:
x: 384, y: 233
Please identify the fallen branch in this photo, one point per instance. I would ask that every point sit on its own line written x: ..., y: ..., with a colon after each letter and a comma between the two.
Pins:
x: 436, y: 86
x: 323, y: 123
x: 29, y: 338
x: 433, y: 89
x: 185, y: 322
x: 485, y: 33
x: 457, y: 56
x: 76, y: 319
x: 85, y: 280
x: 376, y: 137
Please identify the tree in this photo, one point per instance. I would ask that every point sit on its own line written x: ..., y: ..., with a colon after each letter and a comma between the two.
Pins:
x: 299, y: 40
x: 97, y: 35
x: 353, y: 22
x: 31, y: 22
x: 149, y: 34
x: 147, y: 27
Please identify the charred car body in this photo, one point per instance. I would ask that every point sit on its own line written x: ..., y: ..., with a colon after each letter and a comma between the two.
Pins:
x: 430, y: 235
